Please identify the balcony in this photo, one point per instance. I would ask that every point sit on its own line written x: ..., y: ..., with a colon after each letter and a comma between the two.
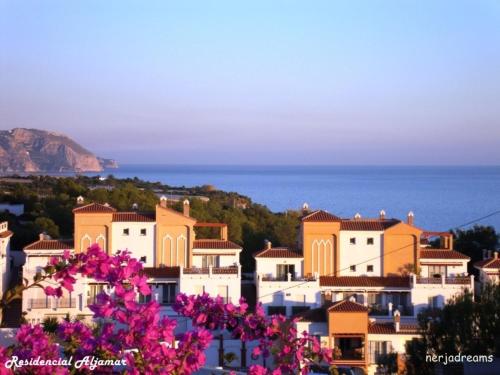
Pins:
x: 40, y: 303
x: 349, y: 350
x: 230, y: 270
x: 52, y: 303
x: 443, y: 280
x: 66, y: 303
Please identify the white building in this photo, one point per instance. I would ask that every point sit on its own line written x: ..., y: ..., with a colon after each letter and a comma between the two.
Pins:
x: 382, y: 267
x: 489, y: 267
x: 175, y: 260
x: 5, y: 258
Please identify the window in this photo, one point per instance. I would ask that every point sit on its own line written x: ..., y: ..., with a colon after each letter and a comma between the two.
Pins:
x: 352, y: 240
x: 144, y: 299
x: 437, y: 271
x: 143, y: 259
x: 299, y: 309
x: 210, y: 260
x: 143, y: 232
x: 126, y: 231
x: 93, y: 291
x: 369, y: 268
x: 168, y: 293
x: 353, y: 268
x: 379, y: 349
x: 275, y: 310
x: 282, y: 271
x: 370, y: 241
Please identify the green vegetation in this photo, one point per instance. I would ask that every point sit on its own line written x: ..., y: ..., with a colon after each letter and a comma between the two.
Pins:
x: 463, y: 326
x: 49, y: 202
x: 472, y: 241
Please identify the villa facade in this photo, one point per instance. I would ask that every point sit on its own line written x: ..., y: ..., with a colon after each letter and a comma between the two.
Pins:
x: 358, y: 284
x: 165, y: 241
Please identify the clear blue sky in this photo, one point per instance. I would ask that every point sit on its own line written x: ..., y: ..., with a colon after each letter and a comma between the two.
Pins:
x: 271, y: 82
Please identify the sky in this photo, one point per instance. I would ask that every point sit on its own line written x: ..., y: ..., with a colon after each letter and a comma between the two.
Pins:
x: 258, y: 82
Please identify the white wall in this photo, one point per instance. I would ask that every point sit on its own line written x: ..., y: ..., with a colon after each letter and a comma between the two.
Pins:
x: 267, y: 266
x: 360, y: 253
x: 224, y: 260
x: 140, y: 246
x: 212, y: 284
x: 288, y: 293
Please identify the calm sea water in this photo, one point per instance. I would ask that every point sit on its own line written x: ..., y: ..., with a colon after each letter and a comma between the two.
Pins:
x: 441, y: 197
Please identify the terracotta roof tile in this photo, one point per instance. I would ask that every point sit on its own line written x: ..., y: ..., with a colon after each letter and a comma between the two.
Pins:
x: 365, y: 281
x: 94, y: 208
x: 215, y: 244
x: 6, y: 234
x: 388, y: 329
x: 320, y: 215
x: 277, y: 252
x: 134, y: 216
x: 488, y: 263
x: 50, y: 245
x: 162, y: 272
x: 348, y: 306
x: 210, y: 225
x: 368, y: 224
x: 441, y: 254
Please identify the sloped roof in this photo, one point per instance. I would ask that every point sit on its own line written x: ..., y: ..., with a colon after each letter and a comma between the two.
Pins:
x: 347, y: 306
x: 162, y: 272
x: 215, y: 244
x: 365, y: 281
x: 368, y: 224
x: 6, y: 234
x: 134, y: 216
x: 388, y: 329
x: 441, y: 254
x: 320, y: 215
x: 50, y: 245
x: 277, y: 252
x: 94, y: 208
x: 488, y: 263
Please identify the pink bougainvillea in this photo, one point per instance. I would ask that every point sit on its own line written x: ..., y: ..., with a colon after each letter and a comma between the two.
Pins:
x: 136, y: 334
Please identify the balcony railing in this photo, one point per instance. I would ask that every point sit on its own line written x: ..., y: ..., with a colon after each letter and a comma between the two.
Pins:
x: 49, y: 303
x: 40, y: 303
x: 66, y: 303
x: 285, y: 278
x: 231, y: 270
x: 446, y: 280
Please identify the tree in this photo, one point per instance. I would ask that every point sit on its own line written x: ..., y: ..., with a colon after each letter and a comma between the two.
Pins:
x: 44, y: 224
x: 463, y: 326
x: 472, y: 241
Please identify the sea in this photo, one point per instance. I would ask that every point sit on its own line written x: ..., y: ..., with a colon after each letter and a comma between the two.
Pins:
x: 441, y: 197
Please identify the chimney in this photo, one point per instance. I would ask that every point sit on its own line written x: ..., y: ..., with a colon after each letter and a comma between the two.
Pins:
x: 495, y: 255
x: 397, y: 320
x: 357, y: 216
x: 163, y: 201
x: 185, y: 206
x: 382, y: 214
x: 305, y: 208
x: 80, y: 200
x: 135, y: 206
x: 43, y: 236
x: 268, y: 244
x: 411, y: 217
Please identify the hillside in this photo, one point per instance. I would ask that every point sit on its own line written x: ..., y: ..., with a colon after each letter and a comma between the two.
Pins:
x: 32, y: 150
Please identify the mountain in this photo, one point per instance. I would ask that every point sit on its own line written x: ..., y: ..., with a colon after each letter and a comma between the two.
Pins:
x: 33, y: 150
